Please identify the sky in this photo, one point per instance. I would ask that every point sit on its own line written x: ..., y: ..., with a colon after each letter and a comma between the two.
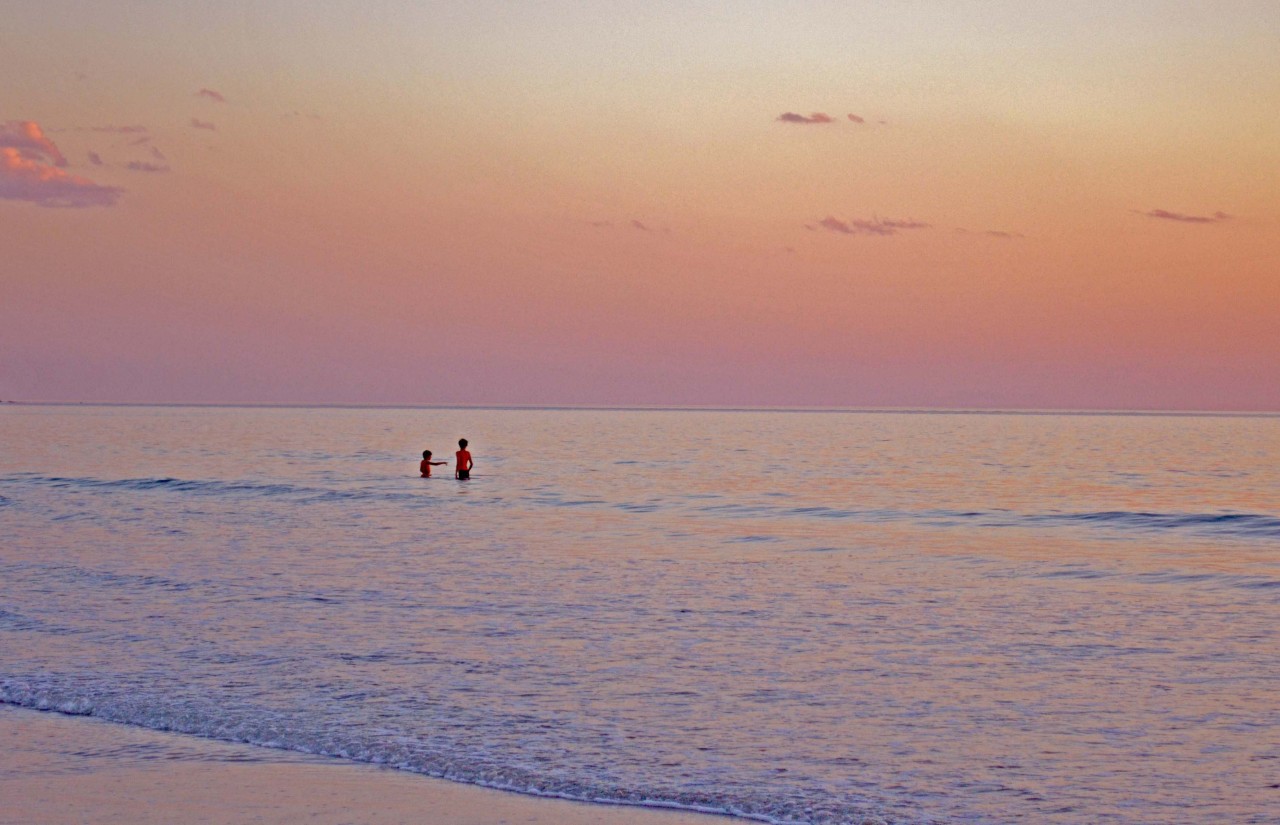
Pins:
x: 992, y: 204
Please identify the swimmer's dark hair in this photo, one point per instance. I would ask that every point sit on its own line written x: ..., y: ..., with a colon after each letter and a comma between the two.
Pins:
x: 426, y: 454
x: 462, y: 442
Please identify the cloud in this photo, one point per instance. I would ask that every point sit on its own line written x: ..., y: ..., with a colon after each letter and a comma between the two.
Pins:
x: 121, y: 130
x: 1164, y: 214
x: 874, y: 226
x: 216, y: 97
x: 816, y: 117
x: 907, y: 224
x: 157, y: 154
x: 30, y: 174
x: 143, y: 166
x: 30, y: 141
x: 140, y: 141
x: 857, y: 119
x: 95, y: 158
x: 993, y: 233
x: 835, y: 225
x: 197, y: 123
x: 633, y: 223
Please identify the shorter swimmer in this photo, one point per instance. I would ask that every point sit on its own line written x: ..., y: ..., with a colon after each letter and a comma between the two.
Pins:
x: 427, y: 464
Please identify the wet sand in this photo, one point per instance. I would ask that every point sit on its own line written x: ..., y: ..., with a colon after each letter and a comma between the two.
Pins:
x: 57, y: 769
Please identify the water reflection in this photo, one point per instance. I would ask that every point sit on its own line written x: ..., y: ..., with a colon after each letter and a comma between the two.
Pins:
x: 965, y: 618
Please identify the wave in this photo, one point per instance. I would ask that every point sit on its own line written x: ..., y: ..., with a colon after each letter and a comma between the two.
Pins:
x: 70, y: 573
x: 196, y: 487
x: 1170, y: 577
x: 258, y: 727
x: 1239, y: 525
x: 19, y: 623
x: 1219, y: 524
x: 1242, y: 524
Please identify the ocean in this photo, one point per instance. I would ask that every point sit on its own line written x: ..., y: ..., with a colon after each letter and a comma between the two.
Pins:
x: 791, y: 616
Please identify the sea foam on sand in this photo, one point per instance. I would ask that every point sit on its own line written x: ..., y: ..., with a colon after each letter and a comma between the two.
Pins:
x: 57, y: 770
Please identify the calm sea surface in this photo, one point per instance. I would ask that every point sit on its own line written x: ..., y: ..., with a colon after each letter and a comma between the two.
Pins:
x: 797, y: 617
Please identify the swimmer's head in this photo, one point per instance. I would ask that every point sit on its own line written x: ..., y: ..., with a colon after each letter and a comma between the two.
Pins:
x: 462, y: 443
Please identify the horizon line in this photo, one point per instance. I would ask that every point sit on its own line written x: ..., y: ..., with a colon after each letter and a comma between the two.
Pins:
x: 899, y: 410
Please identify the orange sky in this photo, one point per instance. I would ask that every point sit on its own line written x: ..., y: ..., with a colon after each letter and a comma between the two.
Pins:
x: 1033, y: 205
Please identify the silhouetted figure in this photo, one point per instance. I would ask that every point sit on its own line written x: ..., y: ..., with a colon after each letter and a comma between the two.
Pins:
x: 462, y: 467
x: 427, y: 464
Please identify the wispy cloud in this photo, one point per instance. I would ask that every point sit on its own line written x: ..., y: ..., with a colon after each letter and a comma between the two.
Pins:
x: 215, y: 96
x: 873, y: 226
x: 857, y: 119
x: 144, y: 166
x: 157, y: 154
x: 1164, y: 214
x: 29, y: 139
x: 993, y: 233
x: 835, y: 225
x: 29, y: 171
x: 630, y: 223
x: 120, y: 130
x: 95, y: 158
x: 197, y: 123
x: 816, y: 117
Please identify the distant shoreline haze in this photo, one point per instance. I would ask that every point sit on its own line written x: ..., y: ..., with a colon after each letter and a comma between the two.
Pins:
x: 711, y: 408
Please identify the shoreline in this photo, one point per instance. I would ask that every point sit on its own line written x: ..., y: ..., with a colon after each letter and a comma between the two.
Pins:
x: 61, y: 769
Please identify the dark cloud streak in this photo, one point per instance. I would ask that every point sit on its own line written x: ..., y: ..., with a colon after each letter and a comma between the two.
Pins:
x: 1164, y: 214
x: 793, y: 117
x: 144, y: 166
x: 992, y: 233
x: 874, y: 226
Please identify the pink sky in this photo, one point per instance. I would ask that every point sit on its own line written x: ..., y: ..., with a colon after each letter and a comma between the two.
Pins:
x: 995, y: 204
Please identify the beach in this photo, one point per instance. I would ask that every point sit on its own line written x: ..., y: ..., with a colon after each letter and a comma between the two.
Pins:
x: 62, y: 770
